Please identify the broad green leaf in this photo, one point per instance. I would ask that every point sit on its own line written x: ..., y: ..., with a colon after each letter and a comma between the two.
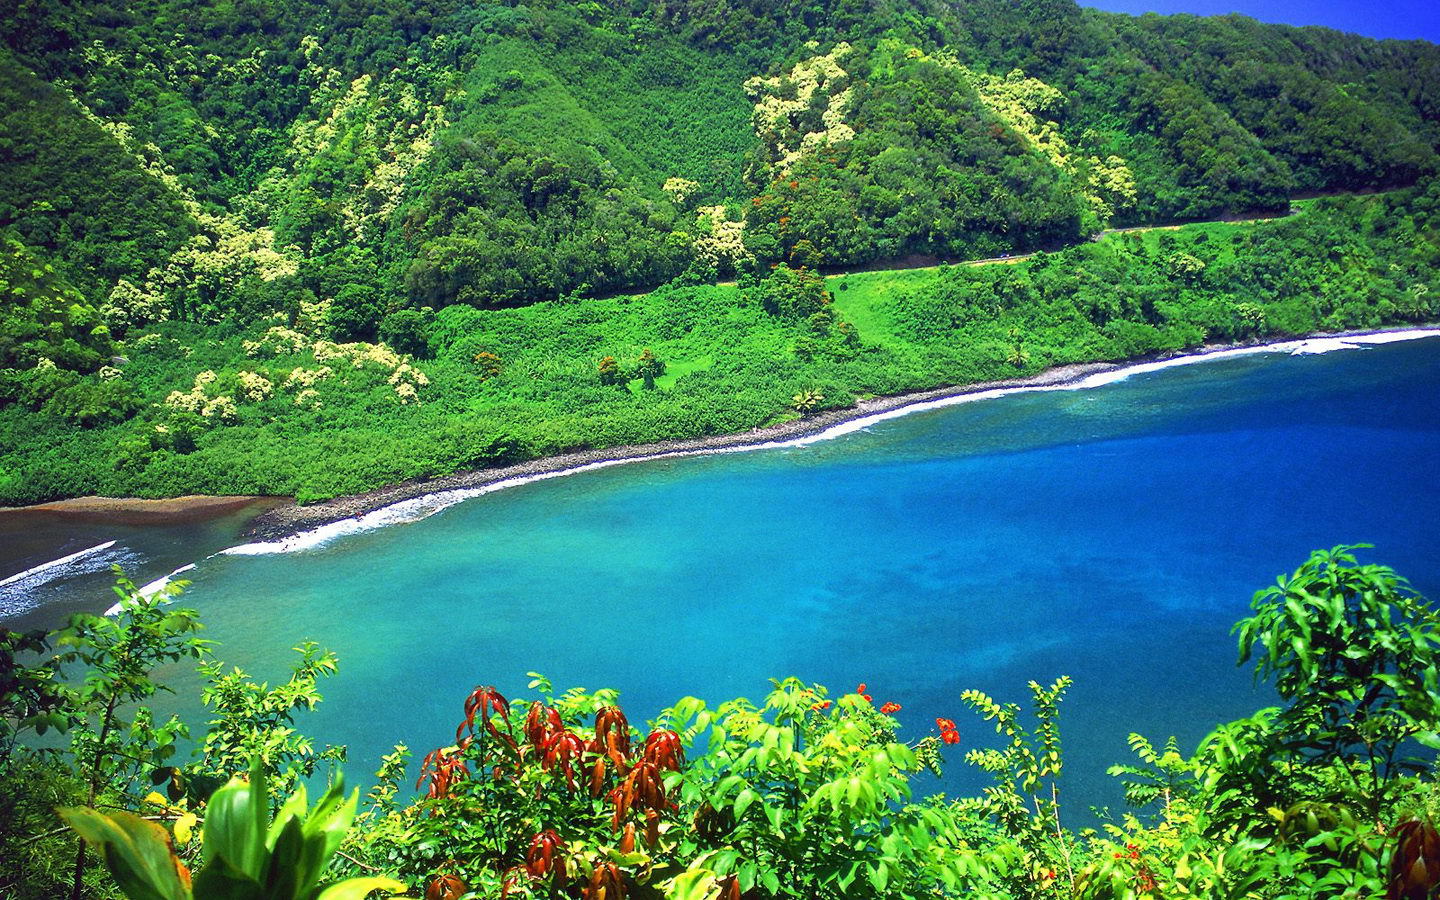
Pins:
x: 879, y: 875
x: 218, y: 880
x: 743, y: 800
x: 695, y: 884
x: 357, y: 888
x: 136, y: 852
x: 236, y: 826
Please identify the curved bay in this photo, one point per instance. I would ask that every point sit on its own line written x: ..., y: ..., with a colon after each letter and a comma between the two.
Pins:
x: 1111, y: 534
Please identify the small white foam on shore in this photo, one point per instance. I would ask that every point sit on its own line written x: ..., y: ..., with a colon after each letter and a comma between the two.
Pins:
x: 413, y: 510
x: 153, y: 587
x: 418, y: 508
x: 50, y: 567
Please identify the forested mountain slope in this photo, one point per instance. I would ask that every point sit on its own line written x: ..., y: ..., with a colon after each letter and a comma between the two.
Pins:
x: 347, y: 169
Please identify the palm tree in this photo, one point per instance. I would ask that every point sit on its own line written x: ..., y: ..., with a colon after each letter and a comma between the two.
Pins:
x: 805, y: 402
x: 1017, y: 356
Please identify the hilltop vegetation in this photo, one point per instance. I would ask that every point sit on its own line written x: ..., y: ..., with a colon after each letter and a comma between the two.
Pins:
x: 480, y: 189
x: 278, y: 410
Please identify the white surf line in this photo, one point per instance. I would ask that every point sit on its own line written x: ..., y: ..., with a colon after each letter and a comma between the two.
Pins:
x: 1297, y: 347
x: 153, y: 587
x: 56, y: 563
x: 417, y: 508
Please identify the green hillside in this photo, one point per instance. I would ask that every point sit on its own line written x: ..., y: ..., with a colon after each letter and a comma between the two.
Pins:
x: 312, y: 248
x: 434, y: 175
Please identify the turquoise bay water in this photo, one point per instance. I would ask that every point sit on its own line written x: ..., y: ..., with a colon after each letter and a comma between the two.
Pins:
x: 1111, y: 534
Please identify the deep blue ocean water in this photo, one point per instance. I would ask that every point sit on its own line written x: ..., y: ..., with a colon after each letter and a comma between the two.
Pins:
x: 1111, y: 534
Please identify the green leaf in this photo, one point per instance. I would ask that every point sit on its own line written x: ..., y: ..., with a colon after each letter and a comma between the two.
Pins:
x: 746, y: 875
x: 236, y: 826
x: 743, y: 800
x: 695, y: 884
x: 879, y: 876
x: 357, y: 888
x: 219, y: 880
x: 776, y: 815
x: 287, y: 873
x: 136, y: 852
x: 725, y: 785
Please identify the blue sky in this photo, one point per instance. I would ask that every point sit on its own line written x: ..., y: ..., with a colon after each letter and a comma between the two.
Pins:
x: 1384, y: 19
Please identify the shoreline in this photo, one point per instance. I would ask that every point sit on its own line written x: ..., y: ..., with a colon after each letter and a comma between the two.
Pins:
x: 284, y: 519
x: 184, y: 510
x: 288, y: 521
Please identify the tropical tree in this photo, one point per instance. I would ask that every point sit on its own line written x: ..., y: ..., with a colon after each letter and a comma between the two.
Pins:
x: 120, y: 653
x: 609, y: 371
x: 256, y: 722
x: 32, y: 697
x: 806, y: 401
x: 1355, y: 652
x: 649, y: 367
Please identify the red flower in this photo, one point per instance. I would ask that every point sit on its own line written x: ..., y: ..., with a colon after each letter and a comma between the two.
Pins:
x: 945, y: 724
x: 824, y: 704
x: 950, y: 736
x: 890, y: 707
x: 861, y: 688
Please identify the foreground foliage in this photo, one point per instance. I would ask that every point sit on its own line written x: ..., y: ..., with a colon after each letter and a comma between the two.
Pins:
x: 247, y: 854
x: 805, y: 795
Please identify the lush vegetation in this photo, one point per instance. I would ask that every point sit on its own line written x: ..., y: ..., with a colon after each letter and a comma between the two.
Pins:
x: 807, y: 794
x: 276, y: 407
x: 481, y: 187
x: 314, y: 247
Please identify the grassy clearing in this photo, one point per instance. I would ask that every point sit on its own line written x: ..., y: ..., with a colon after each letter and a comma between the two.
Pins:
x: 859, y: 298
